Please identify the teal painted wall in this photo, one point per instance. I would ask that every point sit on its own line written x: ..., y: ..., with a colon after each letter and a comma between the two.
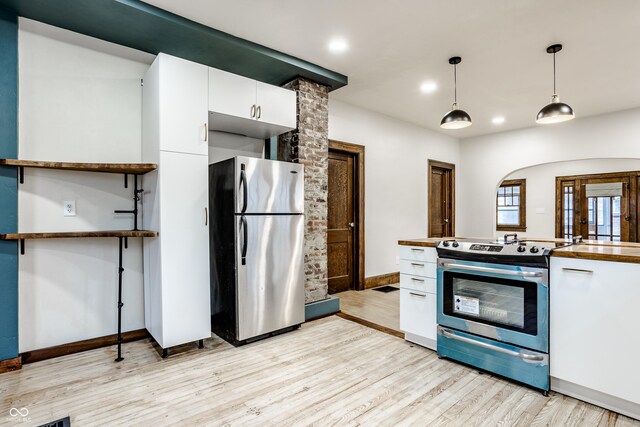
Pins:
x: 8, y: 185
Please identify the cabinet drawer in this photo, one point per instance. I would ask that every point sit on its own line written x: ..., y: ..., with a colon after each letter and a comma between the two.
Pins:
x: 417, y: 283
x: 418, y: 268
x: 418, y: 253
x: 418, y: 313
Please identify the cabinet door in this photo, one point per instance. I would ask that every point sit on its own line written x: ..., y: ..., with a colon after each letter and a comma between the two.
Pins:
x: 418, y: 313
x: 594, y: 320
x: 184, y: 240
x: 276, y: 105
x: 231, y: 94
x: 183, y: 105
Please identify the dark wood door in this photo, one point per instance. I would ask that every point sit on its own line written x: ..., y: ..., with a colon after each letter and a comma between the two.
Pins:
x: 341, y: 222
x: 441, y: 199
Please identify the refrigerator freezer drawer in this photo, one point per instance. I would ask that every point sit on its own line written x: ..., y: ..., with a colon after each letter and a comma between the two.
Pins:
x: 270, y: 273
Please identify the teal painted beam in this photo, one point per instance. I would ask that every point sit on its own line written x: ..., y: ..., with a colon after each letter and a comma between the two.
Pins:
x: 144, y: 27
x: 8, y: 185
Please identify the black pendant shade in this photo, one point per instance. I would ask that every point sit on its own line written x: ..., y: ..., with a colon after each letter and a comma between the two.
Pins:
x: 556, y: 111
x: 456, y: 118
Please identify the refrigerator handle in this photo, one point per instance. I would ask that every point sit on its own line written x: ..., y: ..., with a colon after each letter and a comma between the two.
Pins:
x: 243, y: 227
x: 243, y: 181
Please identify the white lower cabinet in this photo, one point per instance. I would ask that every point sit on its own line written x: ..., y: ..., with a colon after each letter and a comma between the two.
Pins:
x: 418, y: 313
x: 418, y: 295
x: 595, y: 332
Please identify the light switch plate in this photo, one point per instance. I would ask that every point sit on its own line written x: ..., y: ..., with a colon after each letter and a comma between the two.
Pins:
x: 69, y: 207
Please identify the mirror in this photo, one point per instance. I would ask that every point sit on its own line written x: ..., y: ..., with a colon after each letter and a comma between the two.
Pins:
x: 595, y: 198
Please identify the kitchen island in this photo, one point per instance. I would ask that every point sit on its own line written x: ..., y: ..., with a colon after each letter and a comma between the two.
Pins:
x: 593, y: 315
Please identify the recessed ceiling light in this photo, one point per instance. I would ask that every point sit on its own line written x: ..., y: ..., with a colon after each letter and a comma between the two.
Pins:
x: 428, y: 87
x: 497, y: 120
x: 338, y: 45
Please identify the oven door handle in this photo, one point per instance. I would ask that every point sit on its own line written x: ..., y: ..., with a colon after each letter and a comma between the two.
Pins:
x: 491, y: 270
x: 531, y: 357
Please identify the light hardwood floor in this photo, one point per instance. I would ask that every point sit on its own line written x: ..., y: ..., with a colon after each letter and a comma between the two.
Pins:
x: 330, y: 372
x: 374, y: 306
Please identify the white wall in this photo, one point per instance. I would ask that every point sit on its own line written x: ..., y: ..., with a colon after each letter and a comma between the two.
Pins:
x: 80, y: 101
x: 223, y: 146
x: 541, y: 188
x: 486, y: 160
x: 396, y: 158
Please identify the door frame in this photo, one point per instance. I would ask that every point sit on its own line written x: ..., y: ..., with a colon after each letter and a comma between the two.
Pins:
x: 633, y: 209
x: 358, y: 242
x: 452, y: 189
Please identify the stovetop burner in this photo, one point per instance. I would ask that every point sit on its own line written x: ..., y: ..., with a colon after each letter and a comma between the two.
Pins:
x: 515, y: 252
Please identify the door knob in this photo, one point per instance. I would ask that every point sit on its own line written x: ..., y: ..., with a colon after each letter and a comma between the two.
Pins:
x: 351, y: 225
x: 446, y: 220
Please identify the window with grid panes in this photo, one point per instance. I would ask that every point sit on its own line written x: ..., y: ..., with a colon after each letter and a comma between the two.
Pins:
x: 511, y: 206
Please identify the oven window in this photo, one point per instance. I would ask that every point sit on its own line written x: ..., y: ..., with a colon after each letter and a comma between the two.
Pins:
x: 509, y: 304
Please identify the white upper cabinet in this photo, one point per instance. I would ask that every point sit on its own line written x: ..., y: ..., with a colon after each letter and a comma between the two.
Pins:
x: 244, y: 106
x: 183, y: 88
x: 276, y: 105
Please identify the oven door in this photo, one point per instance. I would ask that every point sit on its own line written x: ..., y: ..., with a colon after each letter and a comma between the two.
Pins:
x: 501, y: 302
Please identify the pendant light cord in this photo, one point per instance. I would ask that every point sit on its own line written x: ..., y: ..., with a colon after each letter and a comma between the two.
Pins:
x: 455, y: 84
x: 554, y: 73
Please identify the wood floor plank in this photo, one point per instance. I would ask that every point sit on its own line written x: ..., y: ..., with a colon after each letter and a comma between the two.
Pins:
x: 329, y: 372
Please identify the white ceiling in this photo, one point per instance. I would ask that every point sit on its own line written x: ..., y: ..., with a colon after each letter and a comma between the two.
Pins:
x: 395, y: 46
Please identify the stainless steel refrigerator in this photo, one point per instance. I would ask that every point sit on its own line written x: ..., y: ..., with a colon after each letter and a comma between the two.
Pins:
x: 256, y: 244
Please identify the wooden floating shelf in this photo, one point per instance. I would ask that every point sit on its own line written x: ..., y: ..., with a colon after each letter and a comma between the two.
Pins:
x: 128, y: 168
x: 79, y: 234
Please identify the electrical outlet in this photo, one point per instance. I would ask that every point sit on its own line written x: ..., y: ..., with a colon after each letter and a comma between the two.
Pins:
x: 69, y: 207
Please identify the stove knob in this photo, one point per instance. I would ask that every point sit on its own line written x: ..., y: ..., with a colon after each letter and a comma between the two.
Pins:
x: 455, y: 244
x: 534, y: 250
x: 445, y: 244
x: 521, y: 249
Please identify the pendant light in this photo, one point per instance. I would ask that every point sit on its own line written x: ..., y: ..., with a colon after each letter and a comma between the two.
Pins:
x: 556, y: 111
x: 456, y: 118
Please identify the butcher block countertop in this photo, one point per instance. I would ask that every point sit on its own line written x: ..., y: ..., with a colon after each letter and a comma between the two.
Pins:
x: 588, y: 249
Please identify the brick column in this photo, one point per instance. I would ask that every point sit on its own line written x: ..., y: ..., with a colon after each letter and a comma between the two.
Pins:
x: 309, y: 144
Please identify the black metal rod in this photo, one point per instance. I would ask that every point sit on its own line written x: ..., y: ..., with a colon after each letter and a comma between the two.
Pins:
x: 120, y: 304
x: 136, y: 199
x: 126, y: 243
x: 201, y: 344
x: 21, y: 174
x: 21, y: 246
x: 126, y: 180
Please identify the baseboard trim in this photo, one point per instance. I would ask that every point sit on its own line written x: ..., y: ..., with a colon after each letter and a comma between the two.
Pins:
x: 371, y: 325
x: 616, y: 404
x: 383, y: 279
x: 84, y: 345
x: 9, y: 365
x: 323, y: 308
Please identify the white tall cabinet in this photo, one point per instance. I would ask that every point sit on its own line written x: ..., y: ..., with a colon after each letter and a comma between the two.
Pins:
x: 175, y: 201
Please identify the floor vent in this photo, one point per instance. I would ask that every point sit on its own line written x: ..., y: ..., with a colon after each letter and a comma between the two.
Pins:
x: 386, y: 289
x: 64, y: 422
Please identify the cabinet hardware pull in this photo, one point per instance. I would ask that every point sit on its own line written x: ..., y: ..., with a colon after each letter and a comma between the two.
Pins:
x: 259, y: 112
x: 417, y: 250
x: 577, y: 270
x: 450, y: 265
x: 415, y: 264
x: 253, y: 110
x: 206, y: 216
x: 417, y: 295
x: 206, y: 132
x: 417, y: 280
x: 533, y: 357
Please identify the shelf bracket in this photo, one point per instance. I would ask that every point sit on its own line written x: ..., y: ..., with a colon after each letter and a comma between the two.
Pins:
x: 21, y: 174
x: 136, y: 200
x: 21, y: 246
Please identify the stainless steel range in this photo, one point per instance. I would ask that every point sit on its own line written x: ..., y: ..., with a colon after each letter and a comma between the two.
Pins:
x: 493, y: 307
